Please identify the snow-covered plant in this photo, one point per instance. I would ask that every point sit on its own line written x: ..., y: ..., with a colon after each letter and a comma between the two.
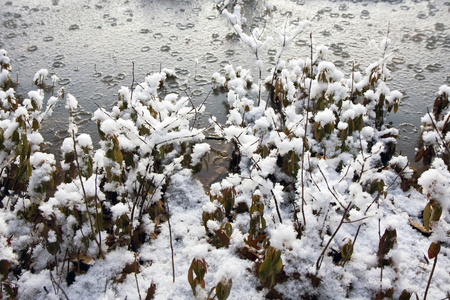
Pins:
x: 434, y: 152
x: 254, y: 39
x: 144, y: 140
x: 317, y: 160
x: 5, y: 69
x: 196, y: 275
x: 196, y: 279
x: 110, y: 197
x: 316, y: 204
x: 40, y: 76
x: 22, y: 166
x: 223, y: 4
x: 435, y: 137
x: 271, y: 266
x: 25, y: 175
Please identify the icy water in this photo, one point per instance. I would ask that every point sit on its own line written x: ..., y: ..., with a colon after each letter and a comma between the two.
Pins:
x: 91, y: 45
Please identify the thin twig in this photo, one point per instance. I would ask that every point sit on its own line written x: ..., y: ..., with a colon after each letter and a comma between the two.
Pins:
x: 170, y: 235
x: 276, y: 206
x: 193, y: 108
x: 368, y: 207
x: 364, y: 158
x: 346, y: 172
x: 236, y: 139
x: 353, y: 78
x: 305, y: 139
x: 136, y: 264
x: 132, y: 82
x: 332, y: 193
x: 429, y: 279
x: 176, y: 138
x: 437, y: 131
x: 59, y: 287
x: 84, y: 191
x: 320, y: 259
x: 96, y: 208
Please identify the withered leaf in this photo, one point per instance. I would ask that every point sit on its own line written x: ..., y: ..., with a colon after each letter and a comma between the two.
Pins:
x: 419, y: 227
x: 434, y: 250
x: 387, y: 242
x: 223, y: 237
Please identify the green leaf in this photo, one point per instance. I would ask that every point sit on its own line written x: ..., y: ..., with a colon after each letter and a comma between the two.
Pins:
x: 395, y: 107
x: 191, y: 281
x: 328, y: 128
x: 199, y: 267
x: 228, y: 228
x: 118, y: 157
x: 437, y: 211
x: 360, y: 123
x: 347, y: 250
x: 265, y: 269
x: 53, y: 248
x: 271, y: 266
x: 101, y: 133
x: 35, y: 125
x: 279, y: 263
x: 223, y: 289
x: 265, y: 151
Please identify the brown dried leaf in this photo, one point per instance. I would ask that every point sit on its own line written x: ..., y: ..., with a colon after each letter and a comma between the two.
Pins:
x: 134, y: 267
x: 151, y: 292
x: 387, y: 242
x: 419, y: 227
x: 434, y: 250
x: 223, y: 237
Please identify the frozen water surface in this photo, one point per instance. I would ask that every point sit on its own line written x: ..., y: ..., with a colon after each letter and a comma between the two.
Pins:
x: 91, y: 45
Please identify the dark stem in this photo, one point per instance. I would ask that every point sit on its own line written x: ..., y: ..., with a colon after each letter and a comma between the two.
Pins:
x: 429, y: 279
x: 170, y: 235
x: 320, y: 259
x: 96, y: 209
x: 438, y: 132
x: 329, y: 189
x: 84, y: 192
x: 59, y: 287
x: 305, y: 139
x: 132, y: 82
x: 276, y: 206
x: 136, y: 264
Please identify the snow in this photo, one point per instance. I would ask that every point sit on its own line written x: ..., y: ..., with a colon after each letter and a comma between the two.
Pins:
x: 72, y: 102
x: 342, y: 126
x: 367, y: 132
x: 119, y: 209
x: 199, y: 151
x: 444, y: 89
x: 40, y: 76
x: 67, y: 145
x: 325, y: 117
x: 394, y: 96
x: 84, y: 140
x: 435, y: 182
x: 37, y: 97
x: 282, y: 236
